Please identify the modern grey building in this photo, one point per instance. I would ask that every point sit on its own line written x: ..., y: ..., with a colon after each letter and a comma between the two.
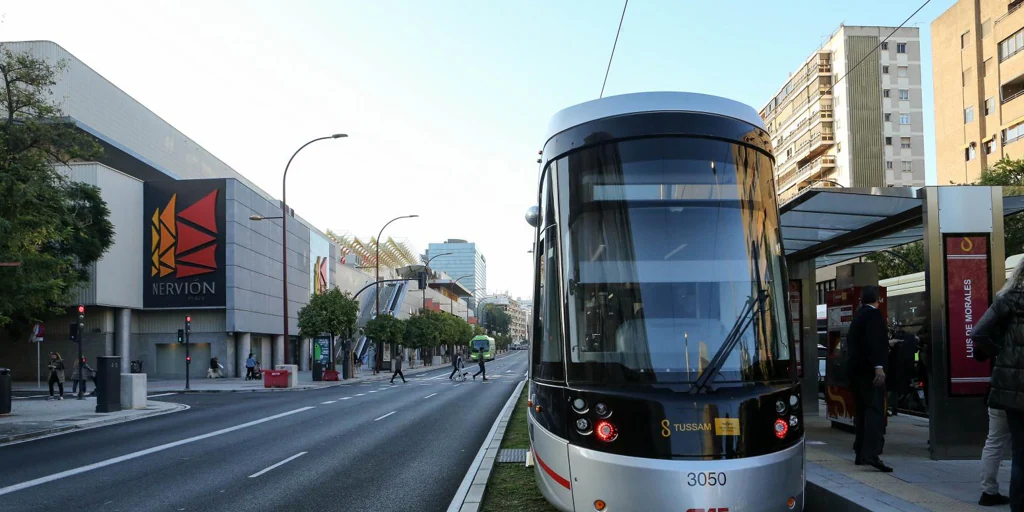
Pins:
x: 461, y: 258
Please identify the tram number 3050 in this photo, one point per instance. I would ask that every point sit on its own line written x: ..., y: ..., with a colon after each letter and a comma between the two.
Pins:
x: 707, y: 479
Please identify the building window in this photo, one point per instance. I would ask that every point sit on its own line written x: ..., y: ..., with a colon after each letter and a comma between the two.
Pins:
x: 969, y: 153
x: 905, y: 142
x: 968, y: 115
x: 904, y: 94
x: 888, y: 164
x: 988, y: 66
x: 901, y: 71
x: 887, y: 116
x: 888, y: 141
x: 965, y: 39
x: 1013, y: 133
x: 990, y: 106
x: 990, y: 147
x: 885, y: 93
x: 1011, y: 45
x: 885, y: 45
x: 901, y: 47
x: 885, y: 70
x: 904, y: 118
x: 906, y: 166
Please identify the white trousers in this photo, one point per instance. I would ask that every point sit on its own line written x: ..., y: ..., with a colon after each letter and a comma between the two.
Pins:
x: 996, y: 447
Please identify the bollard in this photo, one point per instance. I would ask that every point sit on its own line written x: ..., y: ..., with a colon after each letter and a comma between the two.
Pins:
x: 5, y: 390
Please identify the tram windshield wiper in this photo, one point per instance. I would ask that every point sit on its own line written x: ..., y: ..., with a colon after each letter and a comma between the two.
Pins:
x: 743, y: 322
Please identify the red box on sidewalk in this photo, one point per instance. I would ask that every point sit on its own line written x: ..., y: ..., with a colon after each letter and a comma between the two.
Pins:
x: 331, y: 375
x: 275, y: 378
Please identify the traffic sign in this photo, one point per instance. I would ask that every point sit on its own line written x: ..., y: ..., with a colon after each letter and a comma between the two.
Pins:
x: 38, y: 331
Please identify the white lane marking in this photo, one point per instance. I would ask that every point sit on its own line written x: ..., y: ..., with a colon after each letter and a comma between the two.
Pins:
x: 279, y: 464
x: 345, y: 398
x: 508, y: 371
x: 374, y: 390
x: 164, y: 394
x: 457, y: 385
x: 142, y: 453
x: 430, y: 395
x: 327, y: 402
x: 385, y: 416
x: 360, y: 394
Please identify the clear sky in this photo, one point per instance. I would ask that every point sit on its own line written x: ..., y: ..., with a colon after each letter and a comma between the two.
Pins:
x: 446, y: 102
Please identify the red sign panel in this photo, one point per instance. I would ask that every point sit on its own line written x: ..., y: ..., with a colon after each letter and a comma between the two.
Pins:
x: 968, y: 289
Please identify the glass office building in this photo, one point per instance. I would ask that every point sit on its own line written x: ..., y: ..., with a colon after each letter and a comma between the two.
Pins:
x: 465, y: 259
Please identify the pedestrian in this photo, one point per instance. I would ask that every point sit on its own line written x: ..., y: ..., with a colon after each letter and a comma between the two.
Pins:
x: 903, y: 346
x: 215, y: 369
x: 999, y: 336
x: 483, y: 369
x: 250, y: 367
x: 78, y: 378
x: 56, y: 375
x: 397, y: 365
x: 456, y: 364
x: 868, y: 341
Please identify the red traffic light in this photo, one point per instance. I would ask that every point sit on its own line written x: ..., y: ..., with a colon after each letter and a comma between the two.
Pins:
x: 188, y: 319
x: 188, y: 358
x: 81, y: 310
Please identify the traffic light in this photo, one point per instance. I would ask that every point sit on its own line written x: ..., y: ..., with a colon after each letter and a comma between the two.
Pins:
x: 181, y: 335
x: 78, y: 329
x: 188, y: 359
x: 422, y: 280
x: 188, y: 324
x: 73, y: 331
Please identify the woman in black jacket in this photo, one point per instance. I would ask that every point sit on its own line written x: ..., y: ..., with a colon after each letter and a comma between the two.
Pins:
x: 999, y: 334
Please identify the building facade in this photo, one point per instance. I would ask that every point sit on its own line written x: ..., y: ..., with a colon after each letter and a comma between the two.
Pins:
x: 851, y: 114
x: 518, y: 314
x: 979, y: 87
x: 459, y: 258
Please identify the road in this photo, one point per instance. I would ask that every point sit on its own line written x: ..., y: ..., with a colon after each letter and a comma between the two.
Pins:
x: 373, y: 447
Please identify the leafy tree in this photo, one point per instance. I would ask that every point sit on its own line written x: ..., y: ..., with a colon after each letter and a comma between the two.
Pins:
x: 330, y: 312
x: 423, y: 331
x: 477, y: 330
x: 899, y: 261
x: 497, y: 320
x: 55, y: 228
x: 385, y: 329
x: 1008, y: 172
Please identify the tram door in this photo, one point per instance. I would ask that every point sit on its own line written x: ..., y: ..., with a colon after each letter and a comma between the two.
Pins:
x: 841, y: 306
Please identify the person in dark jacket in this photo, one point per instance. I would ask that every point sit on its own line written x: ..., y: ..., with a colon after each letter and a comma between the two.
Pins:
x: 868, y: 341
x: 999, y: 335
x: 899, y: 373
x: 483, y: 369
x: 397, y: 364
x: 56, y: 375
x: 456, y: 364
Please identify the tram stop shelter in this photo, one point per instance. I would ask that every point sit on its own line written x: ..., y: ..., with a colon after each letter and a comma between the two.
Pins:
x: 936, y: 459
x: 823, y: 227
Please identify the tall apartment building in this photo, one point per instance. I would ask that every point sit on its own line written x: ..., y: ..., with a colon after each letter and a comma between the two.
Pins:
x: 979, y: 87
x: 460, y: 258
x: 839, y: 123
x: 516, y: 311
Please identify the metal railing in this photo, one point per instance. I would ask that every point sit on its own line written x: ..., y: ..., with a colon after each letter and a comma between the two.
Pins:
x: 1012, y: 96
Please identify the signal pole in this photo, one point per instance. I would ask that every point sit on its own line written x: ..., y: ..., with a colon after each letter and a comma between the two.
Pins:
x: 188, y: 358
x: 81, y: 371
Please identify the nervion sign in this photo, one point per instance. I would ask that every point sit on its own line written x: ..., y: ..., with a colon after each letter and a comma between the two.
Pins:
x: 968, y: 295
x: 183, y: 244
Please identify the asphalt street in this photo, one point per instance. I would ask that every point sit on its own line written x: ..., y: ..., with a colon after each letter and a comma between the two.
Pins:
x: 372, y: 447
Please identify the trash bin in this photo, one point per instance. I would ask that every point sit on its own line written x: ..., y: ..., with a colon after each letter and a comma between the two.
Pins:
x: 318, y: 371
x: 275, y: 378
x: 5, y: 390
x: 108, y: 384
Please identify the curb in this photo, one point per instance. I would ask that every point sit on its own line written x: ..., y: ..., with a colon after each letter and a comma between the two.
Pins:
x: 820, y: 493
x: 471, y: 492
x: 48, y: 432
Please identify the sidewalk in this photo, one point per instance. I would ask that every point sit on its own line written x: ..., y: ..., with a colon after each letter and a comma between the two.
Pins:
x: 37, y: 418
x: 916, y: 484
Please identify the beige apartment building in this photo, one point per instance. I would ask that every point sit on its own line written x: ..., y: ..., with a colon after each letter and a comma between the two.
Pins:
x: 837, y: 123
x: 979, y: 87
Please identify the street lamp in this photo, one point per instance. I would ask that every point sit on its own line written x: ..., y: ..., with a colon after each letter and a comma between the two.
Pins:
x: 451, y: 306
x: 426, y: 268
x: 376, y: 289
x: 284, y: 234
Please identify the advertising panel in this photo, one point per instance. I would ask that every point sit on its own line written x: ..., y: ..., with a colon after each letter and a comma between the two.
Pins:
x: 968, y: 295
x: 320, y: 268
x: 183, y: 244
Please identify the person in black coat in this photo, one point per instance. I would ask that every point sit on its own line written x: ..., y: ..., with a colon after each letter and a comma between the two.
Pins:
x: 900, y: 371
x: 868, y: 342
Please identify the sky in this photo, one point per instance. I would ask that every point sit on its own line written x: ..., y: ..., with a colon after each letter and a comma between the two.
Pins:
x: 446, y: 102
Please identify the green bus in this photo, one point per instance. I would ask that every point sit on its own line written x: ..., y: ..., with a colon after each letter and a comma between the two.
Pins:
x: 482, y: 342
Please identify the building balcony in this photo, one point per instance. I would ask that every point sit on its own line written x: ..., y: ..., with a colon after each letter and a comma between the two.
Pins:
x: 809, y: 169
x: 824, y: 68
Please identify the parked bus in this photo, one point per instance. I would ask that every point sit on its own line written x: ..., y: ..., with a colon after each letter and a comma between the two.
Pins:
x: 482, y: 342
x: 662, y: 370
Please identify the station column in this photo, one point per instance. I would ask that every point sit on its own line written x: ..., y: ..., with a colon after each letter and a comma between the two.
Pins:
x: 803, y: 303
x: 964, y: 266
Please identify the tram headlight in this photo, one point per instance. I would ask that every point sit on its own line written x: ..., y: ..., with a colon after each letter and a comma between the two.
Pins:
x: 583, y: 425
x: 794, y: 421
x: 794, y: 401
x: 580, y: 405
x: 606, y: 431
x: 781, y: 428
x: 780, y: 407
x: 602, y: 410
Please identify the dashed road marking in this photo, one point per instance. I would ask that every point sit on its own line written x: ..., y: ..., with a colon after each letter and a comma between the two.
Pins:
x: 430, y: 395
x: 283, y: 462
x: 327, y: 402
x: 385, y: 416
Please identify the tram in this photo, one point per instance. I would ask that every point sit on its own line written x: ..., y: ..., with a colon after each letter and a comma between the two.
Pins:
x: 662, y: 369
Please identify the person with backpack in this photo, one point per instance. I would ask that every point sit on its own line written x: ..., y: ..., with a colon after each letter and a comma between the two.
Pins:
x: 397, y: 363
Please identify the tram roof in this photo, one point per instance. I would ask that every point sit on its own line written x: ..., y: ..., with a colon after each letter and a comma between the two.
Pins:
x: 667, y: 101
x: 833, y: 225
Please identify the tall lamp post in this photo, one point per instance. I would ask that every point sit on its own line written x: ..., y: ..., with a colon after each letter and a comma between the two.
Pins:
x: 451, y: 307
x: 426, y: 268
x: 376, y: 286
x: 284, y: 231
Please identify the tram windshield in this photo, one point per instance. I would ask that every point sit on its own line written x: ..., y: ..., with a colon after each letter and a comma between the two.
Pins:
x: 672, y: 244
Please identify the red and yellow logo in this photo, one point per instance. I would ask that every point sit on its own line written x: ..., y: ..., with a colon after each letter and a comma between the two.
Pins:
x: 320, y: 284
x: 184, y: 243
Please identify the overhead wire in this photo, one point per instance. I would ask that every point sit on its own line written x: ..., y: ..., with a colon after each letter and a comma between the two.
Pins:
x: 616, y: 43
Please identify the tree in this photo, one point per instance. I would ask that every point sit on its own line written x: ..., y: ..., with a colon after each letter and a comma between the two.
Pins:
x: 54, y: 227
x: 332, y: 312
x: 899, y: 261
x: 423, y: 331
x: 497, y: 319
x: 1008, y: 173
x: 385, y: 329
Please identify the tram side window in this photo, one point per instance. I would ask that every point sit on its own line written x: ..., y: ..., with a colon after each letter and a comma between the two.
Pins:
x: 547, y: 346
